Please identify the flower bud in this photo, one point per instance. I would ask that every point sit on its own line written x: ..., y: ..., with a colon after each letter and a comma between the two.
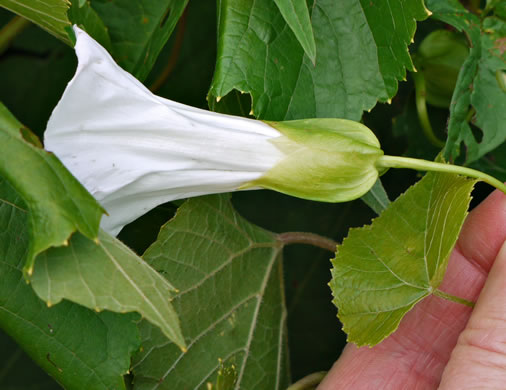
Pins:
x: 439, y: 58
x: 328, y: 160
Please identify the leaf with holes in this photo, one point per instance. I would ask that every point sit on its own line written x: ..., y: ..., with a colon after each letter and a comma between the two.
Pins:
x: 361, y: 49
x: 230, y: 301
x: 478, y: 88
x: 58, y: 204
x: 51, y: 15
x: 381, y: 271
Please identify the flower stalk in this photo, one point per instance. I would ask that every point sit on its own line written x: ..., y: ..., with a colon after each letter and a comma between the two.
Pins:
x: 424, y: 165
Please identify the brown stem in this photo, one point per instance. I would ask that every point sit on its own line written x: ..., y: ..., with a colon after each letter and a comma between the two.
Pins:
x: 174, y: 55
x: 307, y: 238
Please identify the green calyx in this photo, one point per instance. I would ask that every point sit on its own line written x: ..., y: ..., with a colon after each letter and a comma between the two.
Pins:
x: 338, y: 160
x: 439, y: 58
x: 327, y: 160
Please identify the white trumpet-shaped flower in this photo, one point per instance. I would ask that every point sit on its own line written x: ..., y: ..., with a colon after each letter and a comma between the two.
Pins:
x: 133, y: 150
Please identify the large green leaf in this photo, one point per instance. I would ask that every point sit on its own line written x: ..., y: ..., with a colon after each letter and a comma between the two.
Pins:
x: 361, y: 53
x: 58, y: 204
x: 477, y: 85
x: 296, y: 15
x: 106, y: 275
x: 18, y: 371
x: 51, y: 15
x: 80, y: 348
x: 138, y: 30
x: 381, y: 271
x: 230, y: 302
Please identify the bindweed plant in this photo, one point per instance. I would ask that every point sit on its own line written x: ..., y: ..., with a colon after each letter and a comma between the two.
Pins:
x: 195, y: 293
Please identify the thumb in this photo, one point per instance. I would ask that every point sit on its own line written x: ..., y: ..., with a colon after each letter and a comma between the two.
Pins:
x: 479, y: 358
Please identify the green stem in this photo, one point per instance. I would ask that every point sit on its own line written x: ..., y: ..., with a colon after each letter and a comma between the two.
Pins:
x: 453, y: 298
x: 421, y: 107
x: 11, y: 30
x: 470, y: 114
x: 424, y: 165
x: 307, y: 238
x: 309, y: 382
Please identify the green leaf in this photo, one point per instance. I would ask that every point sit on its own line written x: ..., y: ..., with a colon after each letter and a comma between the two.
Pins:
x: 362, y: 47
x: 500, y: 10
x: 452, y: 12
x: 381, y: 271
x: 231, y: 302
x: 106, y: 276
x: 477, y: 85
x: 18, y: 371
x: 80, y: 348
x: 51, y: 15
x: 377, y: 197
x: 58, y: 204
x: 84, y: 16
x: 296, y: 15
x: 138, y: 30
x: 488, y: 98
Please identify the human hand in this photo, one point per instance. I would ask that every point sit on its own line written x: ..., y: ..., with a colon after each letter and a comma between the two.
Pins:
x: 441, y: 343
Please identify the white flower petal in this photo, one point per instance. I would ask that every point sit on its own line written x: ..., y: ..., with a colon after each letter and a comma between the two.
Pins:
x: 133, y: 150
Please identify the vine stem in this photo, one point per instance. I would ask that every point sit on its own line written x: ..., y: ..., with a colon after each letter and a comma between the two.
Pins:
x: 309, y: 382
x: 424, y: 165
x: 453, y: 298
x: 421, y: 107
x: 11, y: 30
x: 307, y: 238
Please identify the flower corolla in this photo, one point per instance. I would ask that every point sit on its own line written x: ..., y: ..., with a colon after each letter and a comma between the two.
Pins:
x: 133, y: 150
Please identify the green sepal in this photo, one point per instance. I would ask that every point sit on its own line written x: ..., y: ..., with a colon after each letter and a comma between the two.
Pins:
x: 327, y: 160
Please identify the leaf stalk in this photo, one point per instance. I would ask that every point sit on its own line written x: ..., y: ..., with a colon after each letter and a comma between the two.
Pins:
x: 307, y: 238
x: 453, y: 298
